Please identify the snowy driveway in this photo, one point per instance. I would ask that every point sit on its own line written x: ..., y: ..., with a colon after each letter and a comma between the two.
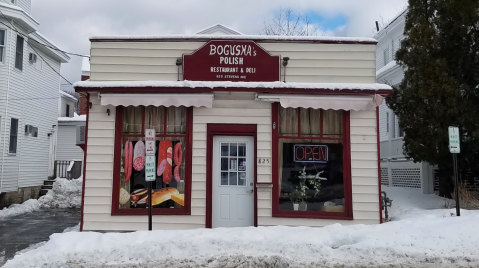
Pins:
x: 19, y: 232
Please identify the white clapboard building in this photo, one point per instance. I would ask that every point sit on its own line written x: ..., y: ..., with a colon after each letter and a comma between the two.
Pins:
x: 396, y: 170
x: 29, y: 95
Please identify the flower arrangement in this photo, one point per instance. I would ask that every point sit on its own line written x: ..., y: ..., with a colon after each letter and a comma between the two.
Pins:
x: 298, y: 195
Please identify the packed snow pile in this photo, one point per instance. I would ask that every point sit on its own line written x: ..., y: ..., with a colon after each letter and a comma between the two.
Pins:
x: 412, y: 203
x: 434, y: 241
x: 65, y: 194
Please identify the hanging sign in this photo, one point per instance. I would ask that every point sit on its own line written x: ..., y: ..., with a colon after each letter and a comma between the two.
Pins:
x: 150, y: 141
x: 231, y: 60
x: 150, y: 168
x: 310, y: 153
x: 454, y: 144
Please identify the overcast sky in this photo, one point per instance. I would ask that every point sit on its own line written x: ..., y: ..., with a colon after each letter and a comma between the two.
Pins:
x: 70, y: 23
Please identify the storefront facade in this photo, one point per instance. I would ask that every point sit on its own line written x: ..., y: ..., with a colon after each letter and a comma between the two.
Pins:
x: 248, y: 131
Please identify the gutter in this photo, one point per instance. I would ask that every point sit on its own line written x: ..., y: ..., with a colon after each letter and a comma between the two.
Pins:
x: 6, y: 106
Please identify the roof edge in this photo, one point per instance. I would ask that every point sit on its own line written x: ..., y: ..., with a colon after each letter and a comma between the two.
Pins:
x: 314, y: 39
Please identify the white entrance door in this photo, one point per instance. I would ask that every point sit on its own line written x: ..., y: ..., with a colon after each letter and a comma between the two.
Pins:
x: 233, y: 181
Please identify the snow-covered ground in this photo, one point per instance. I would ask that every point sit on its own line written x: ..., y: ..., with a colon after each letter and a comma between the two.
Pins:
x: 423, y: 234
x: 65, y: 194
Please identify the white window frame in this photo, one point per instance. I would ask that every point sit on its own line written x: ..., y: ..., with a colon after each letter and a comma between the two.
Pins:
x: 386, y: 56
x: 3, y: 46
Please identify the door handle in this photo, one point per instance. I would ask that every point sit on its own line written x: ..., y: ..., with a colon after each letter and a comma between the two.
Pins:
x: 250, y: 191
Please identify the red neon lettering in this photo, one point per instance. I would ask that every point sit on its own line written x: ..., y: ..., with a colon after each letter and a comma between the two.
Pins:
x: 324, y: 153
x: 316, y: 153
x: 308, y: 152
x: 300, y: 157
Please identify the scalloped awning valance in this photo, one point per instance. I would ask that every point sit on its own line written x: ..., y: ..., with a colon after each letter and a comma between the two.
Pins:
x: 187, y: 100
x: 326, y: 102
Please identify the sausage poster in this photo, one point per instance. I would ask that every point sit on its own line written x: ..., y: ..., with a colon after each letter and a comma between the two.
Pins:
x: 310, y: 153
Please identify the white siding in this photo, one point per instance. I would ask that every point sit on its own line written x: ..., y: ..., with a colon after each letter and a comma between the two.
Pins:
x: 63, y: 107
x: 156, y: 61
x: 33, y: 99
x: 26, y: 5
x: 66, y: 144
x: 316, y: 63
x: 99, y: 170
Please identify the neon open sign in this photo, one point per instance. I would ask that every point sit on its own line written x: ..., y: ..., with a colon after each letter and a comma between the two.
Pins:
x: 310, y: 153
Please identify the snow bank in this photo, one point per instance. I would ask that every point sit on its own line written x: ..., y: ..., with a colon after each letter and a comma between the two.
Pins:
x: 412, y: 203
x: 65, y: 194
x: 443, y: 242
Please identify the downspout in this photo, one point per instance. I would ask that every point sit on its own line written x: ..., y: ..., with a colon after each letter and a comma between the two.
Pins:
x: 6, y: 105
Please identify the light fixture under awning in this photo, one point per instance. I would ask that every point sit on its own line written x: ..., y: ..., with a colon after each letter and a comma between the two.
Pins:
x: 326, y: 102
x: 187, y: 100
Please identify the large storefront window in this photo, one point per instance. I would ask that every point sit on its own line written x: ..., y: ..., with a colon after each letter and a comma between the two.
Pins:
x: 170, y: 193
x: 313, y: 178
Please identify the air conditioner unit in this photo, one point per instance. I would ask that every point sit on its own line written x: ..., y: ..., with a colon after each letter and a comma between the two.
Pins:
x: 32, y: 57
x: 81, y: 134
x: 28, y: 129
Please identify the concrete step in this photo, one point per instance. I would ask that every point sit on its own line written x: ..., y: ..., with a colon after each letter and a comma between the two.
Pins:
x: 43, y: 192
x: 48, y: 182
x: 47, y: 187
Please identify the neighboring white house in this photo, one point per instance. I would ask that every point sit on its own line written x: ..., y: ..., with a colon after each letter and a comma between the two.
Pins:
x: 396, y: 170
x: 29, y: 93
x: 68, y: 120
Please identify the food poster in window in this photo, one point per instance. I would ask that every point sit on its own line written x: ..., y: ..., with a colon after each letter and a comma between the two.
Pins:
x: 311, y: 176
x: 169, y: 185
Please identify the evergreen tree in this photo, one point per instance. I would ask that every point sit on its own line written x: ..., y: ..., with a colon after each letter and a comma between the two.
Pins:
x: 440, y: 57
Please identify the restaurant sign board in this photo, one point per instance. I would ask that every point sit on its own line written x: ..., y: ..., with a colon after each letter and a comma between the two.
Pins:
x: 231, y: 60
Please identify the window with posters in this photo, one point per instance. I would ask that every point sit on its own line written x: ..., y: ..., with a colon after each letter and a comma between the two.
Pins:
x: 160, y: 133
x: 312, y: 164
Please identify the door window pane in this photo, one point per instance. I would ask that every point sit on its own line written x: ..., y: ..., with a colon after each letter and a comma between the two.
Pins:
x: 224, y: 164
x: 233, y: 178
x: 224, y: 149
x: 241, y: 149
x: 224, y: 178
x: 233, y: 149
x: 242, y: 178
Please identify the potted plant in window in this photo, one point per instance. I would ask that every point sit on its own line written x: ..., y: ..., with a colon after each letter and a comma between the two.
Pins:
x: 298, y: 197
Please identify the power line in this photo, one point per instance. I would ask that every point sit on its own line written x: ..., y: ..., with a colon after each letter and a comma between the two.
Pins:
x: 54, y: 48
x: 35, y: 49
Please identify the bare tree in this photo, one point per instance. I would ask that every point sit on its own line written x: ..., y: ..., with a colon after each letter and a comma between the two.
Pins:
x: 289, y: 22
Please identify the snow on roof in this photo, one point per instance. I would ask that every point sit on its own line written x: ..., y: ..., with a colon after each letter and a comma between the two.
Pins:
x: 85, y: 66
x: 386, y: 68
x: 335, y: 39
x: 75, y: 118
x: 228, y: 84
x: 219, y: 27
x: 66, y: 95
